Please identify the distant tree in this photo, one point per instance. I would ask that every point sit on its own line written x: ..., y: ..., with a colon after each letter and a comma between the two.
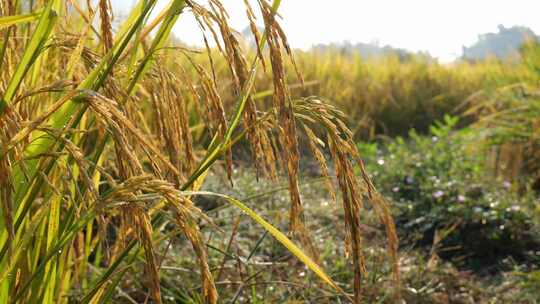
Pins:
x: 367, y: 50
x: 504, y: 44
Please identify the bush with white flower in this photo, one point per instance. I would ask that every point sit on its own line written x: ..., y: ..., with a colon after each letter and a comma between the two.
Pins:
x: 448, y: 199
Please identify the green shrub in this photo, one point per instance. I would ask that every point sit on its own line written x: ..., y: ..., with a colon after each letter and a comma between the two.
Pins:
x: 447, y: 198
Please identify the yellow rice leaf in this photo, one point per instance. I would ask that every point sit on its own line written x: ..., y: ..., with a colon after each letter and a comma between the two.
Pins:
x: 278, y: 235
x: 12, y: 20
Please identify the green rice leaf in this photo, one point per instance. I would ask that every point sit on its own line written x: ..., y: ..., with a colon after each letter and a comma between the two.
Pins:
x: 41, y: 34
x: 14, y: 20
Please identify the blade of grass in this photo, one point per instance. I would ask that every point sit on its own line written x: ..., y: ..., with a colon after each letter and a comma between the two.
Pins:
x: 13, y: 20
x: 161, y: 36
x: 279, y: 236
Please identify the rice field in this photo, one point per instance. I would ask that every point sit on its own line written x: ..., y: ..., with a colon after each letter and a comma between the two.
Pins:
x: 135, y: 169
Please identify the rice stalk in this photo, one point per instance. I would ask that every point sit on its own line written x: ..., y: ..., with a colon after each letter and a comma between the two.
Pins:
x: 99, y: 148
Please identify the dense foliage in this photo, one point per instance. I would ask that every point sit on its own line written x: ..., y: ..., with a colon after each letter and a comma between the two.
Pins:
x: 447, y: 197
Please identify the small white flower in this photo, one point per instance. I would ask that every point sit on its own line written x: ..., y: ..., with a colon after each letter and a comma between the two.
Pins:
x: 438, y: 194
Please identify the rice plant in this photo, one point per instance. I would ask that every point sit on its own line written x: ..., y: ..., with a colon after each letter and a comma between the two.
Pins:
x: 104, y: 150
x: 387, y: 95
x: 508, y: 120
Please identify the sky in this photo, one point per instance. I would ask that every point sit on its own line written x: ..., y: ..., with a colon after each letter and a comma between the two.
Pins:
x: 440, y: 27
